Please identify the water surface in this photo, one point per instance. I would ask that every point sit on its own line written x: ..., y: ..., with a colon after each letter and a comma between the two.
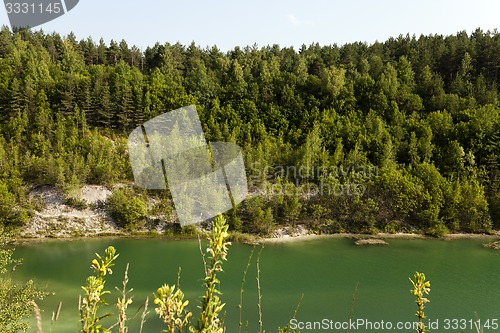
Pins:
x: 335, y: 279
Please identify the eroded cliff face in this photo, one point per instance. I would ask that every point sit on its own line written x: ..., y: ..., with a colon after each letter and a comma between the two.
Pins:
x: 55, y: 217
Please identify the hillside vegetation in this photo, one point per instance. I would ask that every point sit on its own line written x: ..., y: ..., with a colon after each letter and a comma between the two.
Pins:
x: 401, y: 135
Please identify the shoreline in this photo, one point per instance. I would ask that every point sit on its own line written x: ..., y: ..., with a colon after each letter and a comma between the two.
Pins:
x: 58, y: 220
x: 254, y: 239
x: 449, y: 237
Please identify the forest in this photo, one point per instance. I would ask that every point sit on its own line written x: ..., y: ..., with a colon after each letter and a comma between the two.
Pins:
x: 395, y: 136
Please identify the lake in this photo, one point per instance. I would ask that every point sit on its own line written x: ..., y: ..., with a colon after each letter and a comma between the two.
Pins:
x: 327, y: 279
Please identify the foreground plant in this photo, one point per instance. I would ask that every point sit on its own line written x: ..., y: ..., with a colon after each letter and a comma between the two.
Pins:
x: 94, y: 291
x: 421, y: 287
x: 122, y: 304
x: 17, y: 301
x: 211, y: 304
x: 171, y: 306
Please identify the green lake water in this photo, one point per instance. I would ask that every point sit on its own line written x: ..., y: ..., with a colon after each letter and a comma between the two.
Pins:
x: 336, y: 280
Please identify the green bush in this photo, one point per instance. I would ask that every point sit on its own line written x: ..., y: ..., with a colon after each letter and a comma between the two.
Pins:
x: 12, y: 214
x: 259, y: 215
x: 127, y: 208
x: 16, y: 299
x: 76, y: 203
x: 439, y: 231
x: 189, y: 230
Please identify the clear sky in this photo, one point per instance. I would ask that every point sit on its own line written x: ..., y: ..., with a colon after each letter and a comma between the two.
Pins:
x: 230, y: 23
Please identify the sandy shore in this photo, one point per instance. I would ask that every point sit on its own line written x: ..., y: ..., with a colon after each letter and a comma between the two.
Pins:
x: 472, y: 236
x: 300, y: 238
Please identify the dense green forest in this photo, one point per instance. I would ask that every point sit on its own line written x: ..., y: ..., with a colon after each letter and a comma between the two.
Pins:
x: 401, y: 135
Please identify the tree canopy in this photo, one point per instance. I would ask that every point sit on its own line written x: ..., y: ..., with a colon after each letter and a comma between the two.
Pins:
x: 394, y: 136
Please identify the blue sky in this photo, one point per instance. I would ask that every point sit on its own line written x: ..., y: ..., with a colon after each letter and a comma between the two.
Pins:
x: 233, y: 23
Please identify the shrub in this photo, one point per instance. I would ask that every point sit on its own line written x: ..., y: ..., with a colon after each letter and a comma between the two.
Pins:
x: 438, y: 230
x: 11, y: 213
x: 16, y: 300
x: 76, y: 203
x: 128, y: 209
x: 260, y: 216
